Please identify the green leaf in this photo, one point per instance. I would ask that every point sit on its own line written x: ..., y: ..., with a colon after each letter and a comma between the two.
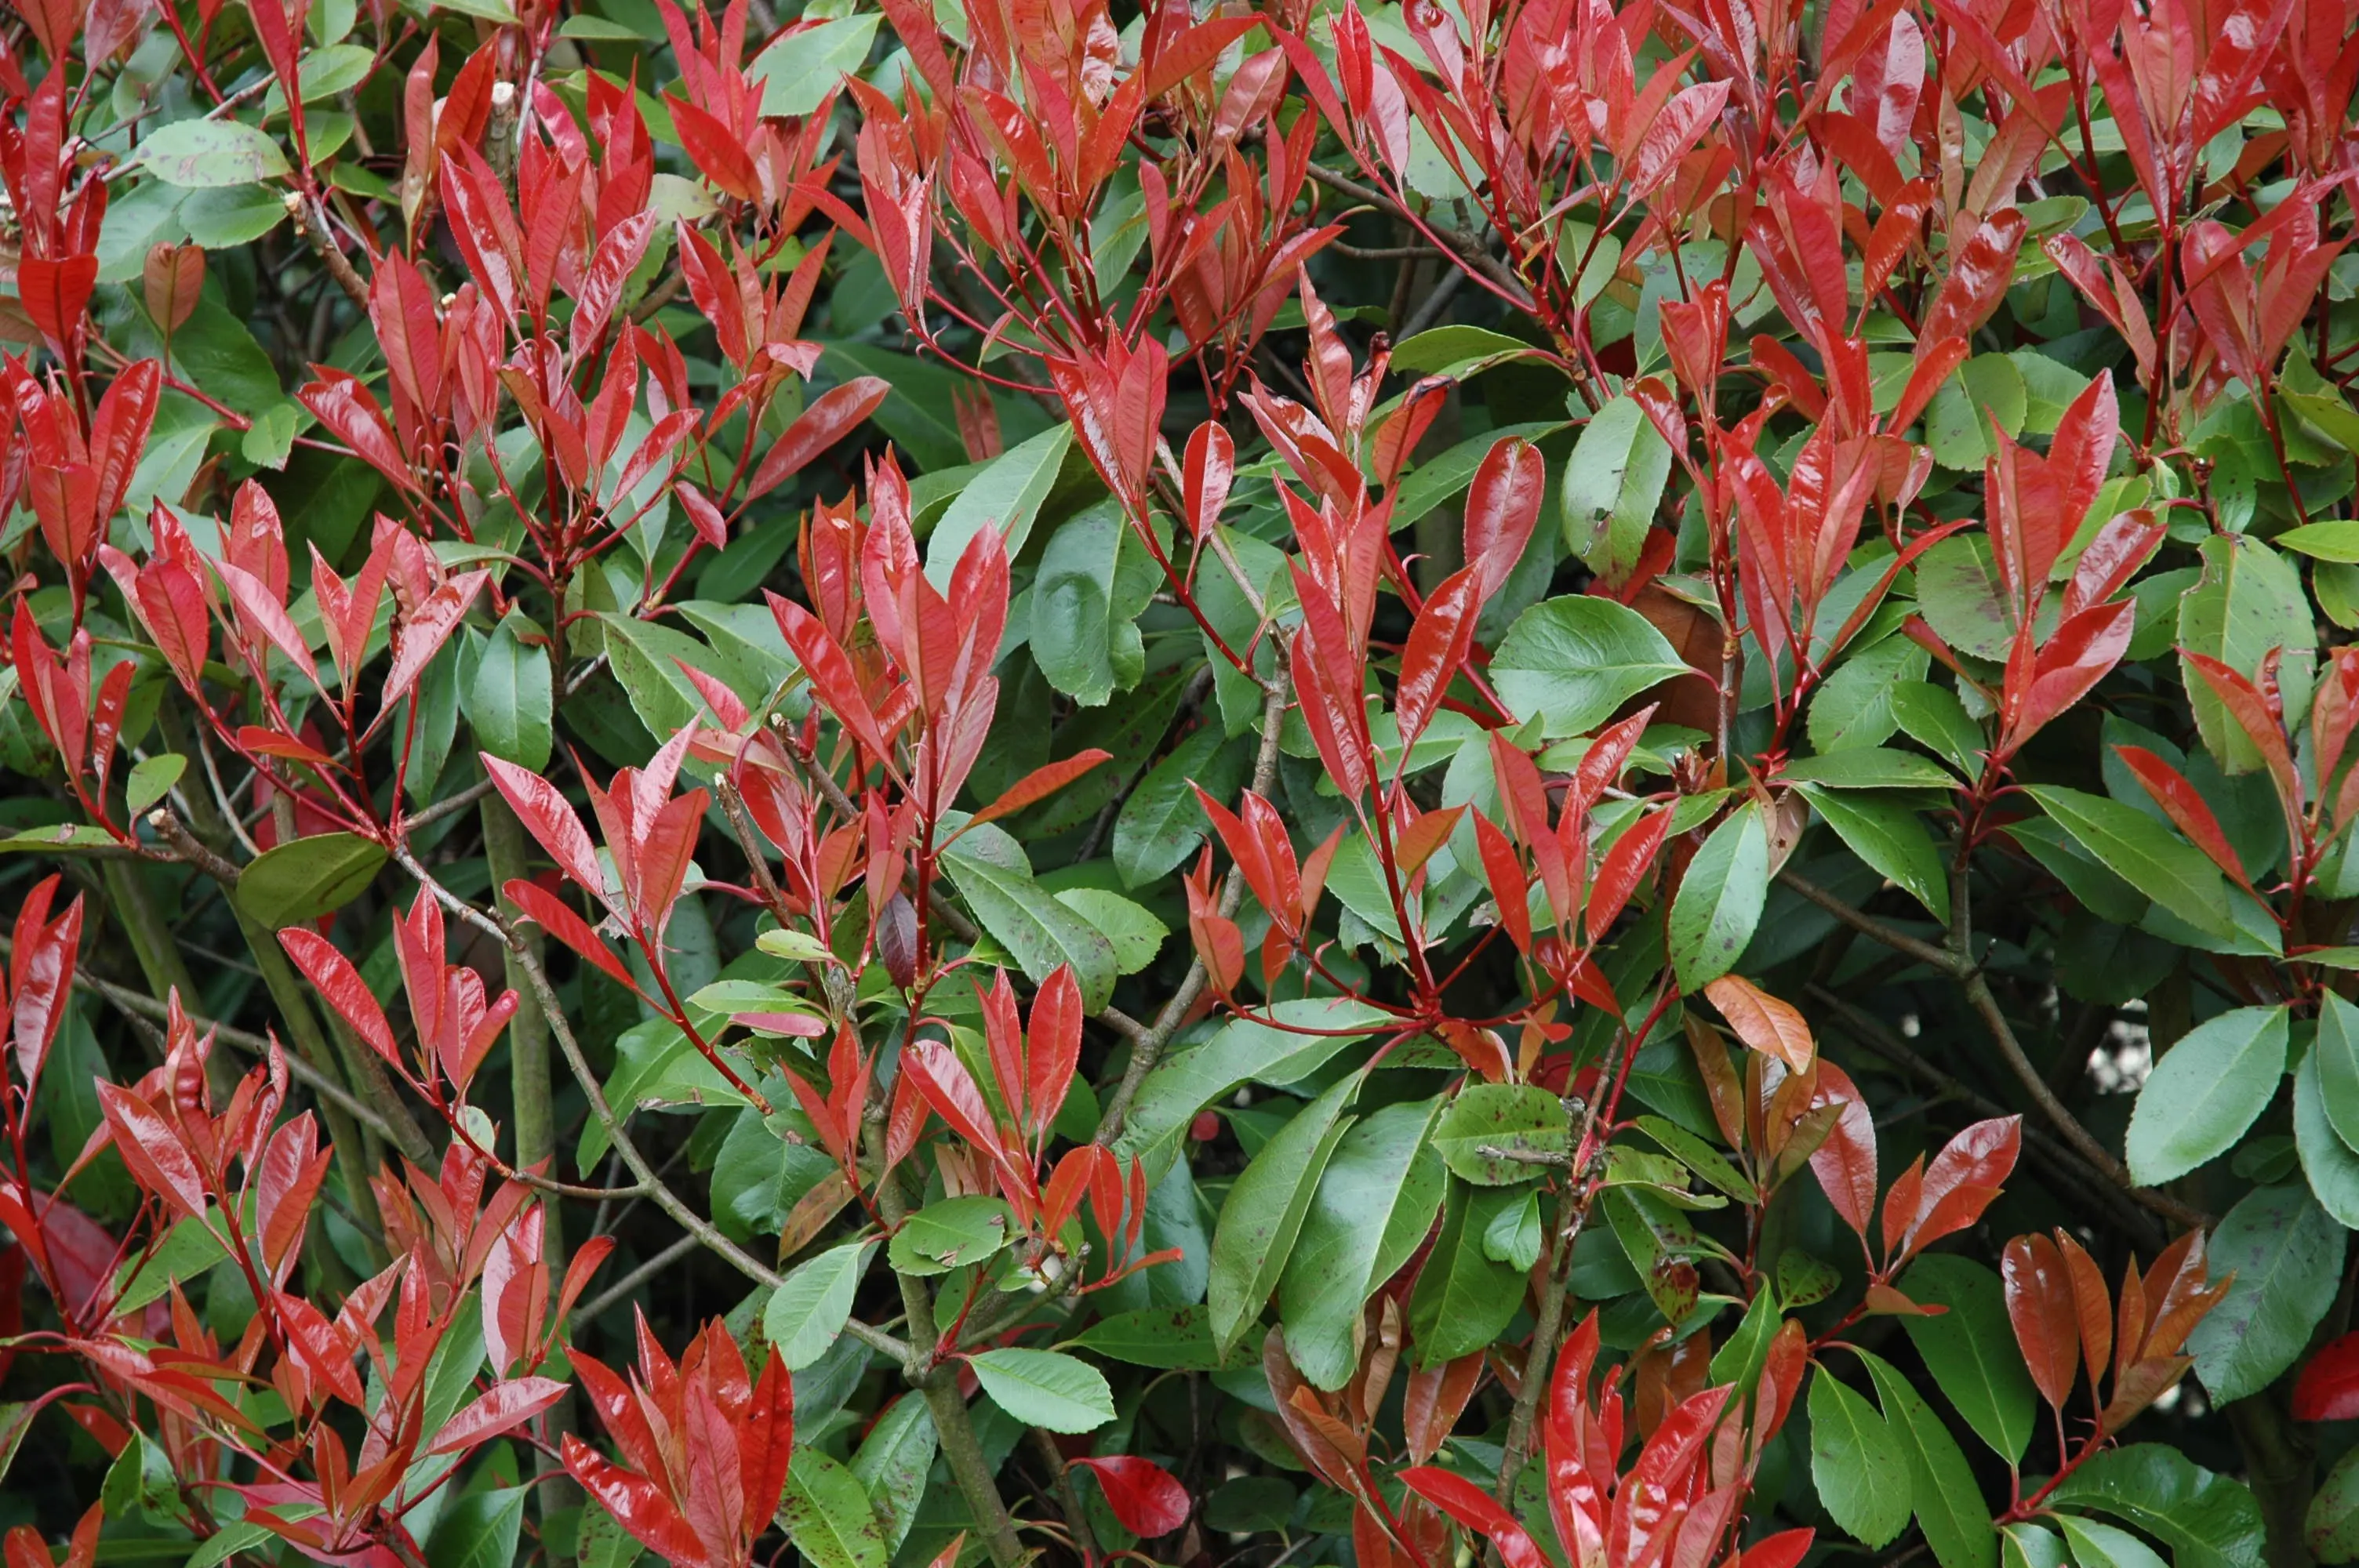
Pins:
x: 2205, y: 1091
x: 150, y: 780
x: 307, y: 879
x: 511, y: 702
x: 1174, y: 1338
x: 2207, y: 1520
x: 1161, y: 825
x: 231, y: 215
x: 1488, y: 1124
x: 1086, y: 603
x: 1933, y: 717
x: 893, y: 1464
x: 478, y: 1529
x: 1571, y: 662
x: 828, y: 1515
x: 1006, y: 495
x: 186, y: 1252
x: 604, y: 1543
x: 1971, y: 1350
x: 1854, y: 707
x: 1513, y: 1237
x: 2152, y: 859
x: 918, y: 413
x: 1464, y: 1298
x: 215, y: 350
x: 1612, y: 484
x: 271, y: 436
x: 2287, y: 1255
x: 1720, y: 899
x: 238, y: 1535
x: 1373, y: 1204
x: 1135, y: 933
x: 1869, y: 767
x: 2327, y: 1161
x: 805, y: 65
x: 2337, y: 1055
x: 1892, y: 838
x: 1263, y: 1212
x: 2248, y: 604
x: 2332, y: 1525
x: 1699, y: 1157
x: 646, y: 658
x: 2337, y: 540
x: 2098, y: 1545
x: 1958, y: 421
x: 1451, y: 349
x: 1304, y: 1034
x: 1947, y: 1502
x: 1960, y: 596
x: 996, y: 879
x: 200, y: 155
x: 812, y: 1305
x: 2022, y: 1545
x: 950, y: 1234
x: 1860, y: 1475
x: 1045, y: 1388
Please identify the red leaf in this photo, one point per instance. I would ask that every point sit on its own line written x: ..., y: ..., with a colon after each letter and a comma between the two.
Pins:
x: 1984, y: 265
x: 1623, y: 867
x: 1769, y: 1025
x: 339, y: 401
x: 327, y: 967
x: 1475, y: 1508
x: 504, y: 1406
x: 1038, y: 785
x: 1965, y: 1177
x: 637, y: 1504
x: 821, y: 425
x: 1845, y: 1162
x: 56, y: 293
x: 152, y: 1149
x: 2040, y: 1305
x: 2328, y: 1388
x: 545, y: 909
x: 1502, y: 506
x: 1147, y: 1498
x: 2188, y: 810
x: 541, y: 808
x: 1438, y: 645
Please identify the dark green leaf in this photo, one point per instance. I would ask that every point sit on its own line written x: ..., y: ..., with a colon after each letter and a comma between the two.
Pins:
x: 306, y: 879
x: 1971, y: 1350
x: 1265, y: 1208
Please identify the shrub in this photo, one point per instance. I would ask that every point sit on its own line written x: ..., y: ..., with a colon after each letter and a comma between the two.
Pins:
x: 1314, y: 786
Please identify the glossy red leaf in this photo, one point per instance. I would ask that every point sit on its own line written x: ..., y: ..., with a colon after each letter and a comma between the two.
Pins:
x: 1040, y: 783
x: 1438, y: 645
x: 500, y: 1407
x: 1147, y: 1498
x: 2328, y: 1386
x: 832, y: 417
x: 2040, y: 1306
x: 1476, y: 1509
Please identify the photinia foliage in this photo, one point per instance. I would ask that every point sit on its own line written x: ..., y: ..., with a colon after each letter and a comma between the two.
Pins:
x: 1353, y: 784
